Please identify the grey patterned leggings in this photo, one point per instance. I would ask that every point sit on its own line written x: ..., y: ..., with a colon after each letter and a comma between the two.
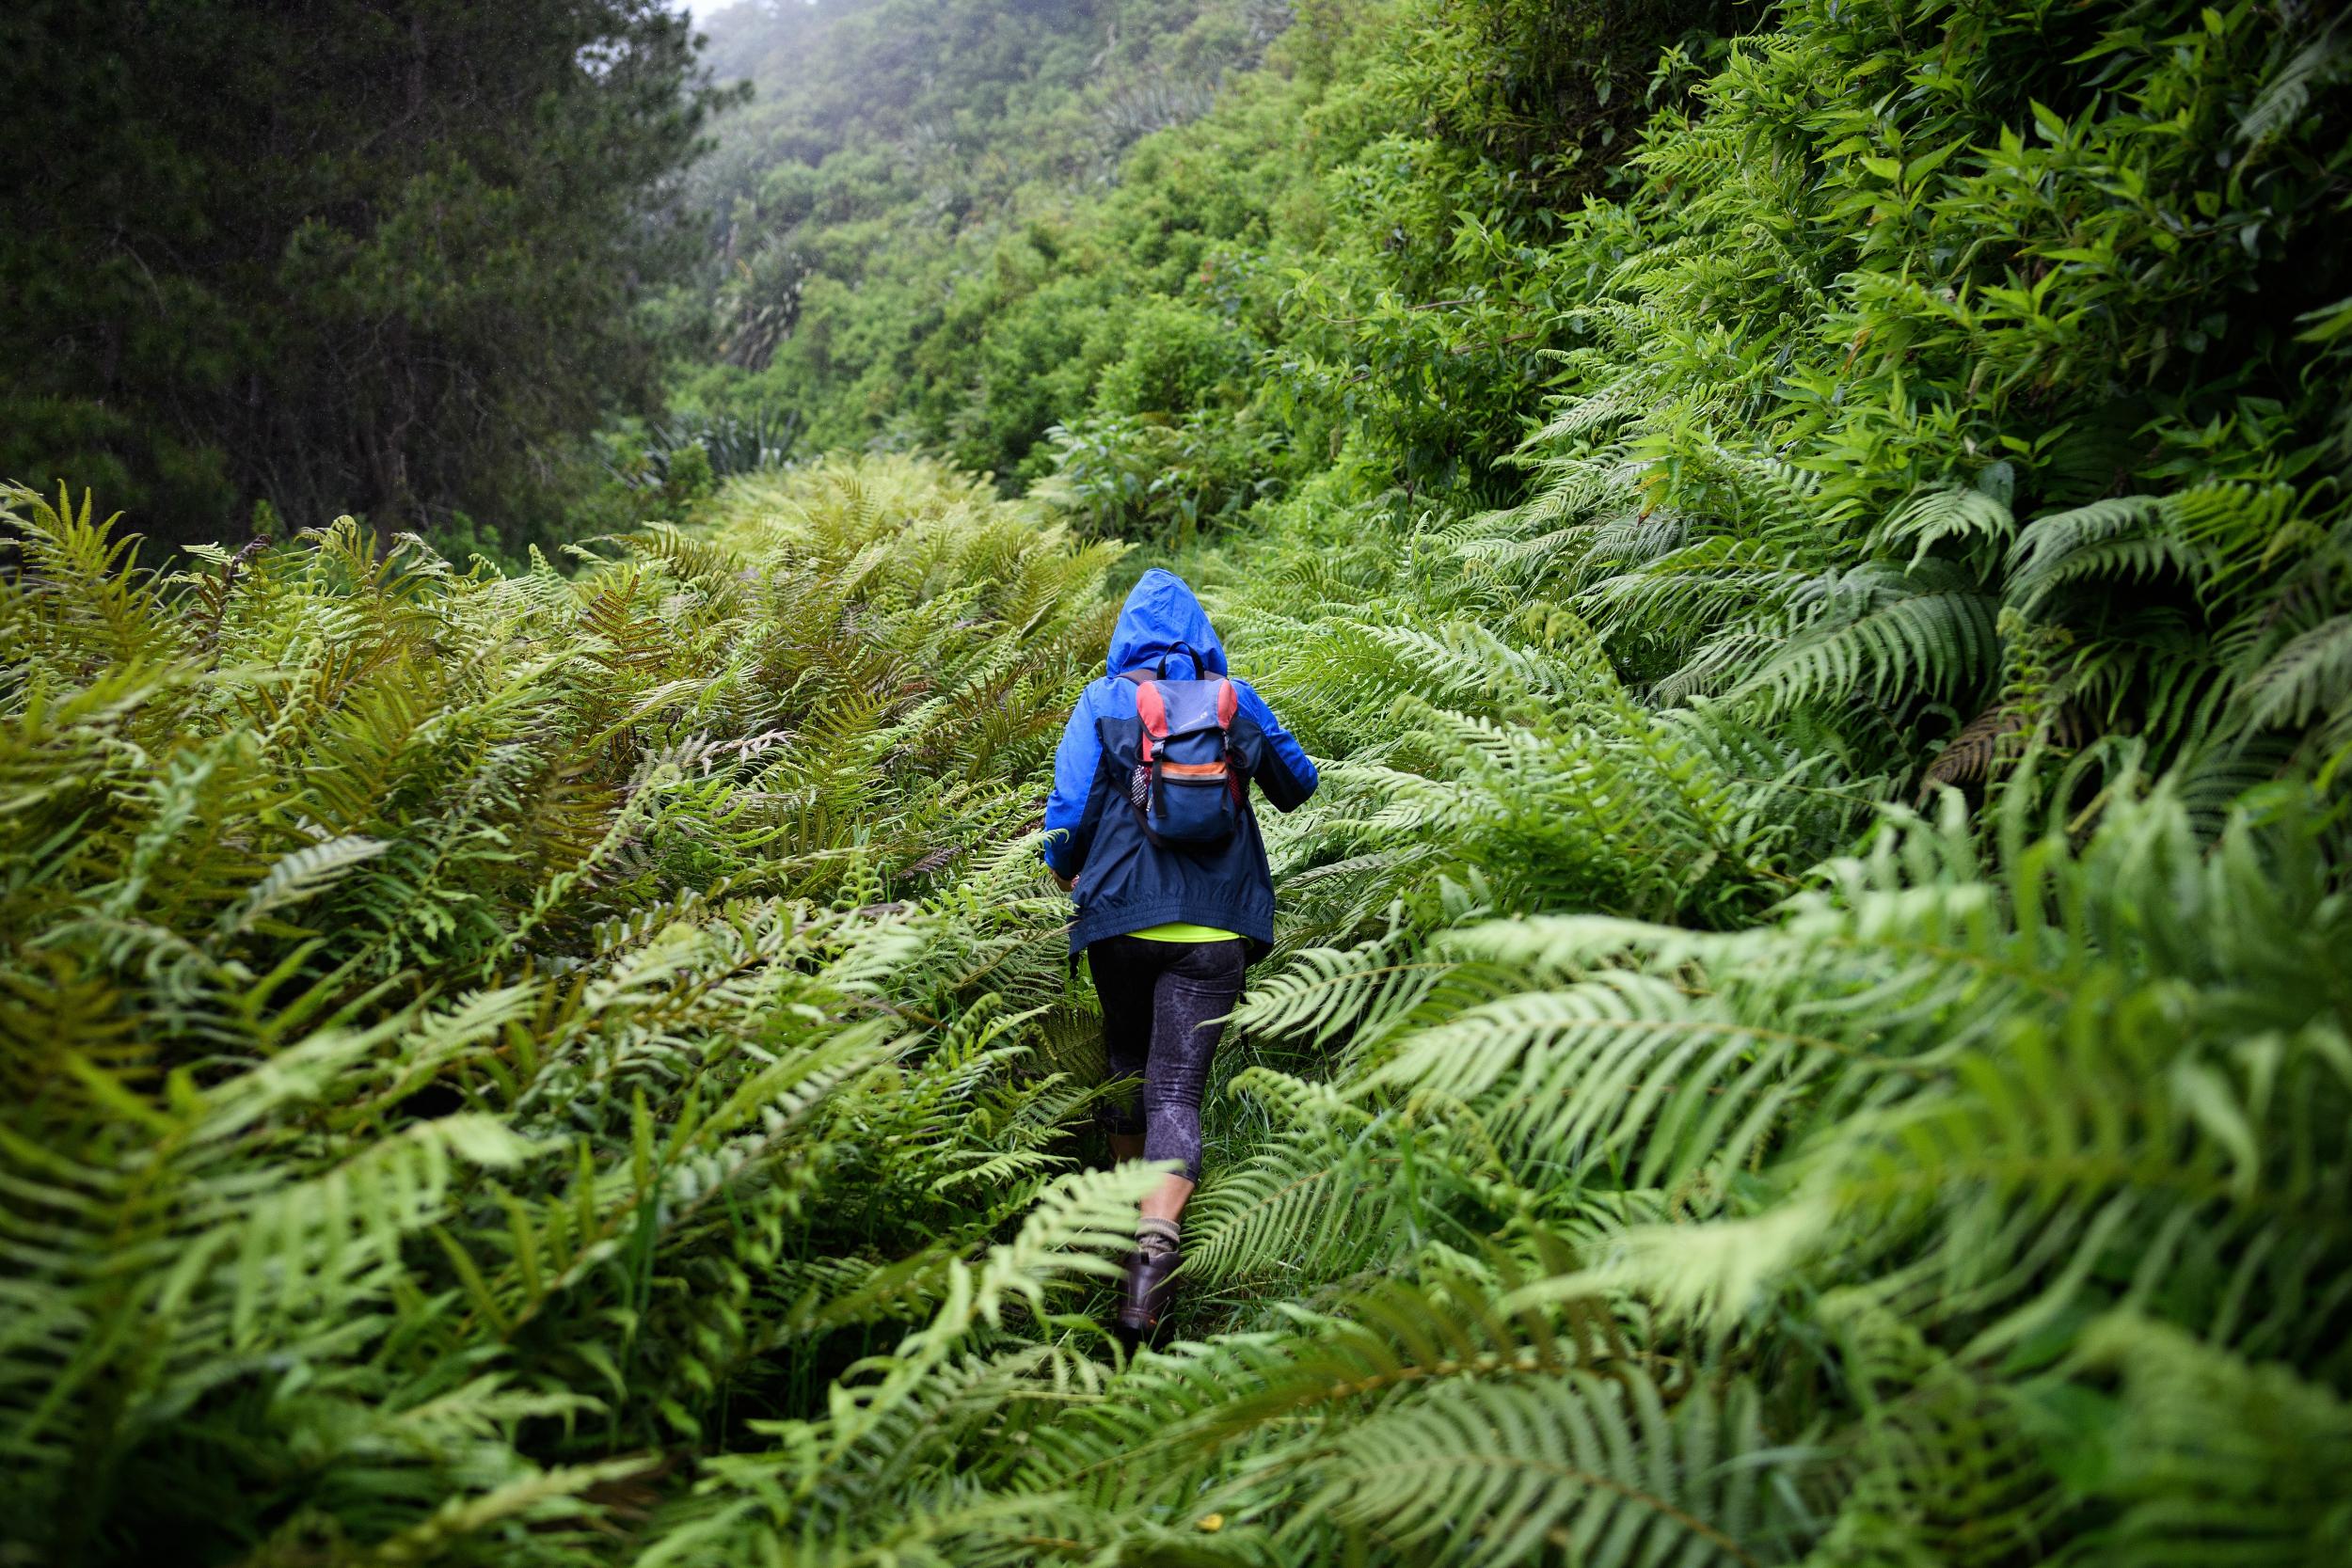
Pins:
x: 1164, y: 1005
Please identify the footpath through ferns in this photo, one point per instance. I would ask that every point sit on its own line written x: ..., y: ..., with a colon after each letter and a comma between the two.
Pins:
x: 580, y: 1068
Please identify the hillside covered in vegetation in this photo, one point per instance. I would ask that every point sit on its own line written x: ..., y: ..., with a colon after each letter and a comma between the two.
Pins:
x: 1809, y: 1021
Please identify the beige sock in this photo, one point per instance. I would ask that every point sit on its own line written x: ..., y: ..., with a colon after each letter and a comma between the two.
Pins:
x: 1155, y: 1236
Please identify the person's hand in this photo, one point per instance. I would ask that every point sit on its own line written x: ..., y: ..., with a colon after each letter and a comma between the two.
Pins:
x: 1065, y: 884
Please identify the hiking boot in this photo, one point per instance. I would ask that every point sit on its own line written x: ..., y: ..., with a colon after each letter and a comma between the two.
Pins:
x: 1151, y: 1278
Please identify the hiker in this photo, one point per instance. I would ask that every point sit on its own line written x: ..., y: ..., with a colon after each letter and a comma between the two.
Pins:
x: 1150, y: 829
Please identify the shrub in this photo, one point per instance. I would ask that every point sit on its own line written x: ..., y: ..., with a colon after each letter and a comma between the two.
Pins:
x: 1146, y: 477
x: 1177, y: 359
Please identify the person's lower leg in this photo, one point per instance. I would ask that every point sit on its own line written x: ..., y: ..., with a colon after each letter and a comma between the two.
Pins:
x: 1164, y: 1202
x: 1172, y: 1133
x: 1167, y: 1201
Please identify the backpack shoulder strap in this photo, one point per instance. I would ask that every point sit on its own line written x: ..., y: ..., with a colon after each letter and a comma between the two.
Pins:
x: 1150, y: 707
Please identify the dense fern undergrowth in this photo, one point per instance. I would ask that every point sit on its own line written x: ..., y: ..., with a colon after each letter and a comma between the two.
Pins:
x: 1811, y: 1020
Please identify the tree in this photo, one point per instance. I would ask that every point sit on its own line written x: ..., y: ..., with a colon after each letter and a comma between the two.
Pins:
x: 340, y: 255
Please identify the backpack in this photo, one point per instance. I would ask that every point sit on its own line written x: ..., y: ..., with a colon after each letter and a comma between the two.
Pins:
x: 1189, y: 785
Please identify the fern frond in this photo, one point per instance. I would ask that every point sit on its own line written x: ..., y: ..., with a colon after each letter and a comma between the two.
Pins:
x: 1602, y: 1469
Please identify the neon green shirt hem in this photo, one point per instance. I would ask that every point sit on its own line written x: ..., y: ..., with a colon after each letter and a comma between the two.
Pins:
x: 1181, y: 931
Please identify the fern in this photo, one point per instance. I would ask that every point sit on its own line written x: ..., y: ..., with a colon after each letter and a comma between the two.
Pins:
x: 271, y: 1137
x: 580, y: 1066
x: 1577, y: 1464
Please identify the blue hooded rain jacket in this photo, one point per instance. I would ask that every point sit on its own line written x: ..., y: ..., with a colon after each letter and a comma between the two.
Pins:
x: 1125, y: 881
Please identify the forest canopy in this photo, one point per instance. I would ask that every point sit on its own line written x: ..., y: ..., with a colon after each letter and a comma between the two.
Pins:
x: 335, y: 256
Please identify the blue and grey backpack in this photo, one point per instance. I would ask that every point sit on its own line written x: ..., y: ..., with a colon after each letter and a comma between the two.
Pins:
x: 1189, y: 785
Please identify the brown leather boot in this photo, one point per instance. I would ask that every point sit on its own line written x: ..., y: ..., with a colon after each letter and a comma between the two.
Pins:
x: 1151, y: 1277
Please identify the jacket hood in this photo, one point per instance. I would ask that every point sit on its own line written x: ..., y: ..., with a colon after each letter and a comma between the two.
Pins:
x: 1160, y: 613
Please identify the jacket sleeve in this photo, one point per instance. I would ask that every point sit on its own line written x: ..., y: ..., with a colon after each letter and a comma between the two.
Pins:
x: 1284, y: 771
x: 1077, y: 760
